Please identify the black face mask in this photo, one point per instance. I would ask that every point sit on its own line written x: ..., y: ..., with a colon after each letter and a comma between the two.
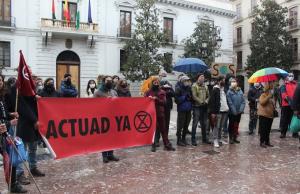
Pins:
x: 49, y: 88
x: 68, y: 81
x: 222, y: 84
x: 155, y: 87
x: 124, y: 85
x: 108, y: 85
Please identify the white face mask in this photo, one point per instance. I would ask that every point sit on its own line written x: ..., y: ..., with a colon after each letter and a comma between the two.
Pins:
x: 92, y: 86
x: 257, y: 85
x: 290, y: 78
x: 233, y: 84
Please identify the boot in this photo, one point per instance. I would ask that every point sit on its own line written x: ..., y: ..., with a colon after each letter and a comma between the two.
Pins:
x: 23, y: 180
x: 282, y: 135
x: 185, y: 142
x: 17, y: 188
x: 169, y: 147
x: 105, y: 159
x: 295, y: 135
x: 153, y: 148
x: 113, y: 158
x: 236, y: 141
x: 36, y: 173
x: 263, y: 145
x: 179, y: 142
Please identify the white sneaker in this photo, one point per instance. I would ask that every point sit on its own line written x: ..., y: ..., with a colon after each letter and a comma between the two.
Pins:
x: 216, y: 143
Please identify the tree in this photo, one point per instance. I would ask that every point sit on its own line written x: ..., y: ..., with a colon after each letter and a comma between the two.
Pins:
x: 142, y: 50
x: 204, y: 42
x: 270, y: 43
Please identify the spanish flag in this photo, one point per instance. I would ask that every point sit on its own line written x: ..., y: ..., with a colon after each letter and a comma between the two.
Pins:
x: 66, y: 11
x: 53, y: 10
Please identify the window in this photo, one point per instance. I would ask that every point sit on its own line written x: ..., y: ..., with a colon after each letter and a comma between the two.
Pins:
x: 125, y: 24
x: 239, y: 60
x: 239, y: 35
x: 123, y: 59
x: 295, y: 49
x: 168, y: 28
x: 72, y: 10
x: 5, y: 12
x: 4, y: 54
x: 293, y: 13
x: 238, y: 11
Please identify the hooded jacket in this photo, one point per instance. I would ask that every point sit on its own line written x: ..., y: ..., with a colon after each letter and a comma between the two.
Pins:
x: 236, y: 101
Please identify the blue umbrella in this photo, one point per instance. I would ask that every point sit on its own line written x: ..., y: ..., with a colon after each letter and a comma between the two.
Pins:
x: 190, y: 65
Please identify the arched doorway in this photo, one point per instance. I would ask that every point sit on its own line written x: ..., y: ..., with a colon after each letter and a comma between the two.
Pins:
x: 68, y: 62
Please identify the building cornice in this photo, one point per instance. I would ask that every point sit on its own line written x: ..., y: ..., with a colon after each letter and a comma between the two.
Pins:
x: 200, y: 7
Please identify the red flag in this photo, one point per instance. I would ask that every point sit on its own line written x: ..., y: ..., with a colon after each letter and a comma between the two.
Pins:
x: 25, y: 83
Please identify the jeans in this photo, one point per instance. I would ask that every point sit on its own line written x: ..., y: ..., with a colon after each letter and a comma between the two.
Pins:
x: 233, y: 128
x: 253, y: 119
x: 183, y: 121
x: 287, y: 114
x: 221, y: 119
x: 265, y: 125
x: 31, y: 148
x: 199, y: 114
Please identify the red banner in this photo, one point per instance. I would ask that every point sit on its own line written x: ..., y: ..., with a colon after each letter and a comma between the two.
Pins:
x: 74, y: 126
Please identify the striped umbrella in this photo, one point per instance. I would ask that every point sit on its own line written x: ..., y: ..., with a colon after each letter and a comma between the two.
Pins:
x: 267, y: 75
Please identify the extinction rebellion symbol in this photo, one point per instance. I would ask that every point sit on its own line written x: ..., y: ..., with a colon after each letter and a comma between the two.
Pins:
x: 142, y: 121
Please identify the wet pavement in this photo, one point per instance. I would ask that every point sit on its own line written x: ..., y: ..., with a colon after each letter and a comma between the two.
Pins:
x: 238, y: 168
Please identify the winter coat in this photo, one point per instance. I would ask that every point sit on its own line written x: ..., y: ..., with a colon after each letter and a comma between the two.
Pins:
x: 160, y: 102
x: 170, y: 94
x: 4, y: 118
x: 183, y: 98
x: 104, y: 93
x: 236, y: 101
x: 287, y: 93
x: 253, y: 96
x: 200, y: 95
x: 296, y: 99
x: 48, y: 94
x: 68, y: 91
x: 266, y: 105
x: 214, y: 103
x: 123, y: 92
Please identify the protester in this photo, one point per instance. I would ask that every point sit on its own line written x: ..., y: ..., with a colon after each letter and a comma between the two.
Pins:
x: 266, y: 108
x: 115, y: 81
x: 107, y: 91
x: 287, y: 93
x: 218, y: 109
x: 39, y: 85
x: 99, y: 81
x: 236, y: 103
x: 183, y: 99
x: 200, y: 95
x: 253, y: 96
x: 67, y: 89
x: 91, y: 89
x: 123, y: 88
x: 7, y: 120
x: 160, y: 101
x: 49, y: 89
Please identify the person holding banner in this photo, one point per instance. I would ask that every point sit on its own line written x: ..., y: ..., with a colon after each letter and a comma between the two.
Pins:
x: 107, y: 91
x: 67, y: 89
x: 157, y: 94
x: 91, y: 89
x: 49, y: 89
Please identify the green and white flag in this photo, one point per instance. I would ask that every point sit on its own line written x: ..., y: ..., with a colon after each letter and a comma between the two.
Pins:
x: 77, y: 16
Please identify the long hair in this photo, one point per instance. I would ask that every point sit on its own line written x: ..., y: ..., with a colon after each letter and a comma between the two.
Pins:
x: 88, y: 86
x: 3, y: 90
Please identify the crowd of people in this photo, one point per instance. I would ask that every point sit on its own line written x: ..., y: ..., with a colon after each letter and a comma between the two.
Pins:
x: 217, y: 106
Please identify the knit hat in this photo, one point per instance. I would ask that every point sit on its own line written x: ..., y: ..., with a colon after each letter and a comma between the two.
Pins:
x: 184, y: 78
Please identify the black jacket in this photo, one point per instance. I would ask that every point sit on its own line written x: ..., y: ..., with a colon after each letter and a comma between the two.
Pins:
x: 296, y: 99
x: 4, y: 118
x: 253, y: 95
x: 214, y: 103
x: 52, y: 94
x: 170, y: 94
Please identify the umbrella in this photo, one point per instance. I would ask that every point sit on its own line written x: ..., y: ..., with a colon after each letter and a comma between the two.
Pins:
x: 267, y: 75
x: 190, y: 65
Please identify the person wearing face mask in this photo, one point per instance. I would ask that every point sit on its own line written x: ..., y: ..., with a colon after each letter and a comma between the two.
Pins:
x: 39, y: 85
x: 123, y: 89
x: 218, y: 109
x: 200, y: 96
x: 183, y: 99
x: 266, y: 108
x: 236, y: 103
x: 91, y: 89
x: 67, y: 89
x: 115, y: 81
x: 253, y: 96
x: 159, y: 97
x: 49, y: 89
x: 287, y: 91
x: 107, y: 91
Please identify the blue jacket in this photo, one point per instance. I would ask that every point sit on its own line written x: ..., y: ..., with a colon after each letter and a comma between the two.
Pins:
x: 183, y: 98
x: 68, y: 90
x: 236, y: 101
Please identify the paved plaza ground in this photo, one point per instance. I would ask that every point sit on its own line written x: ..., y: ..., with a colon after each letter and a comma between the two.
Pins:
x: 243, y: 168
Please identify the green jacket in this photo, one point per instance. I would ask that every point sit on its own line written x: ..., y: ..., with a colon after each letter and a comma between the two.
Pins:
x: 200, y: 94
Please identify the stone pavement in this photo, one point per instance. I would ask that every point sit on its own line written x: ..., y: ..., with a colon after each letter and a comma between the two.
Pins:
x: 243, y: 168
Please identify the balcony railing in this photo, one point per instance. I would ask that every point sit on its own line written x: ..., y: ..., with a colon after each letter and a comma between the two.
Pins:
x: 237, y: 42
x: 9, y: 24
x: 124, y: 33
x: 172, y: 39
x: 294, y: 25
x: 63, y: 25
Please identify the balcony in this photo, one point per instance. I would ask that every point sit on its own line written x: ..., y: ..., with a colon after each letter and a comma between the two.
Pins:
x: 294, y: 25
x: 63, y: 27
x: 171, y: 39
x: 8, y: 24
x: 124, y: 33
x: 237, y: 42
